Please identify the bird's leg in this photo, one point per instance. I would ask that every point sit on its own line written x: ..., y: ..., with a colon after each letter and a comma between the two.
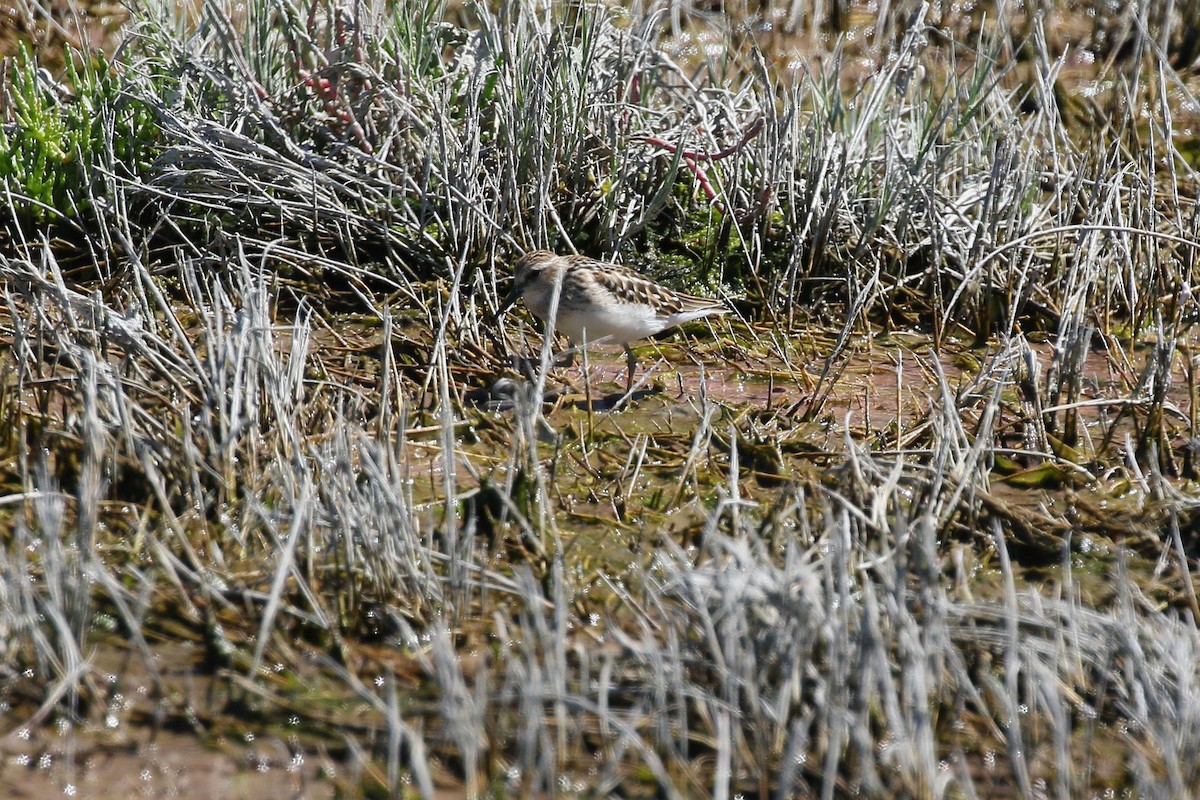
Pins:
x: 567, y: 357
x: 632, y: 361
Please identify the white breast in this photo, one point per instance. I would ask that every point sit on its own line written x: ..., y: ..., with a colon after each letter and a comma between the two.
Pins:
x: 618, y: 323
x: 605, y: 316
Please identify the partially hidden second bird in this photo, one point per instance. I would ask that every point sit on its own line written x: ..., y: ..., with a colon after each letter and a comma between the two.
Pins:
x: 598, y: 301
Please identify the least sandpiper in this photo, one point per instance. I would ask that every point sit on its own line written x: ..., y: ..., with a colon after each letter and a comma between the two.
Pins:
x: 598, y: 301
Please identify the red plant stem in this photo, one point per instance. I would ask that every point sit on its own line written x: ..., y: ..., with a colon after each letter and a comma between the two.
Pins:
x: 754, y: 129
x: 692, y: 158
x: 701, y: 178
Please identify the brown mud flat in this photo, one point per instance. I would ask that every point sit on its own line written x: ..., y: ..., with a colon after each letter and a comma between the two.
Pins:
x: 185, y: 731
x: 190, y: 732
x: 180, y: 733
x: 877, y: 387
x: 157, y: 737
x: 49, y: 26
x: 142, y: 762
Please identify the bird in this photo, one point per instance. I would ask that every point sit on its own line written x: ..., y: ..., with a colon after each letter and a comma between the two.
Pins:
x: 599, y: 301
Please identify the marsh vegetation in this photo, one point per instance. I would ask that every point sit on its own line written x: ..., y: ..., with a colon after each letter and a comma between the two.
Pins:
x: 282, y: 493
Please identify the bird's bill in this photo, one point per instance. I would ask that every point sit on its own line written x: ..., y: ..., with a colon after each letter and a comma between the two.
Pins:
x: 511, y: 300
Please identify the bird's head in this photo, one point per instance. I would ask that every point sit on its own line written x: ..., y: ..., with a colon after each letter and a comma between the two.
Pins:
x: 526, y: 271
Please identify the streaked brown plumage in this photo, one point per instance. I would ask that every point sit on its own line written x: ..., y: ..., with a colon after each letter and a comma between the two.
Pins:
x: 598, y: 301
